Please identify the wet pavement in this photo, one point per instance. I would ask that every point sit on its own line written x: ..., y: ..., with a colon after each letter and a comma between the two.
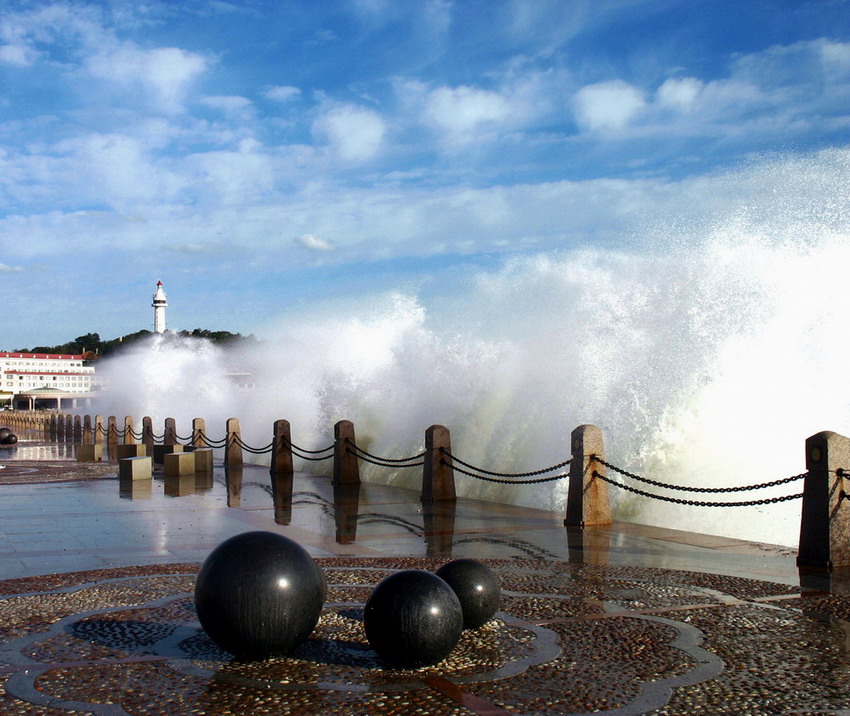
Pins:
x: 97, y: 616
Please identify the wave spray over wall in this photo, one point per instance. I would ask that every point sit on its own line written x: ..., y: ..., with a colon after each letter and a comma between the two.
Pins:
x: 707, y: 350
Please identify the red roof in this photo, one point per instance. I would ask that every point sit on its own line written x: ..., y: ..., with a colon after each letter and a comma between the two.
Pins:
x: 56, y: 356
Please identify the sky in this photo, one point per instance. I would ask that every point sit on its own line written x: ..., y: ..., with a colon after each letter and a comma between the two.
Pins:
x: 260, y: 157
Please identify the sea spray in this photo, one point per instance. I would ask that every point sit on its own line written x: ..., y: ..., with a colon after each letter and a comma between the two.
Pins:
x: 707, y: 352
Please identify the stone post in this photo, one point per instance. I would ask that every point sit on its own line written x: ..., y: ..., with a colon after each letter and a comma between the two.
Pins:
x: 78, y: 429
x: 232, y: 448
x: 69, y: 428
x: 281, y: 462
x: 99, y: 430
x: 587, y: 501
x: 438, y: 477
x: 346, y: 464
x: 129, y: 438
x: 88, y: 434
x: 825, y: 522
x: 53, y: 428
x: 111, y: 435
x: 170, y: 433
x: 199, y: 430
x: 147, y: 433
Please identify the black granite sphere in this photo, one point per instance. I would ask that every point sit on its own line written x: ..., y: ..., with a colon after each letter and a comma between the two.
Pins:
x: 259, y: 594
x: 4, y: 433
x: 11, y: 439
x: 477, y: 588
x: 413, y: 619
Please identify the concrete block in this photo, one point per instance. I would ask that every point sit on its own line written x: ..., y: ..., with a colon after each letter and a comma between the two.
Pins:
x: 125, y: 451
x: 160, y: 451
x: 203, y: 459
x: 90, y: 453
x: 135, y: 468
x: 179, y: 463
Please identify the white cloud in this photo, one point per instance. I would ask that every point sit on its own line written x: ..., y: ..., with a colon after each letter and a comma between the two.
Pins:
x: 607, y: 105
x: 679, y: 94
x: 18, y: 55
x: 282, y: 93
x: 314, y: 243
x: 835, y: 57
x: 11, y: 269
x: 355, y: 133
x: 231, y: 105
x: 165, y: 72
x: 463, y: 113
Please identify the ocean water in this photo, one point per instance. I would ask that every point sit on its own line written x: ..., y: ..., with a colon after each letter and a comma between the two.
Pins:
x: 707, y: 350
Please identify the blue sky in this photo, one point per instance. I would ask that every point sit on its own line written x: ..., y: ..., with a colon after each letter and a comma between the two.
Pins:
x: 258, y: 157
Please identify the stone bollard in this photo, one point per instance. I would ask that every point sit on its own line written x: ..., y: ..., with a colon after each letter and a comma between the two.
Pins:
x: 233, y: 448
x: 587, y: 501
x: 53, y: 428
x: 99, y: 430
x: 88, y: 434
x: 438, y: 477
x: 111, y: 434
x: 170, y: 432
x: 281, y: 462
x: 346, y: 464
x: 199, y: 431
x: 129, y: 438
x: 825, y: 520
x: 78, y: 429
x: 69, y: 428
x: 147, y: 433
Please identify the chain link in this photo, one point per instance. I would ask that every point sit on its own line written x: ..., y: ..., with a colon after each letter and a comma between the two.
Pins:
x: 552, y: 478
x: 386, y: 464
x: 502, y: 474
x: 698, y: 503
x: 383, y: 459
x: 685, y: 488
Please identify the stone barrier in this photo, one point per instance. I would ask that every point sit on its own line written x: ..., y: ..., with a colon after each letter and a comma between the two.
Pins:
x: 160, y: 451
x: 90, y: 453
x: 135, y: 468
x: 179, y: 463
x: 125, y: 451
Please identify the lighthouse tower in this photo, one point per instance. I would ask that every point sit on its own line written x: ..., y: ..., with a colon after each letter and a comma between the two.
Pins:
x: 160, y: 302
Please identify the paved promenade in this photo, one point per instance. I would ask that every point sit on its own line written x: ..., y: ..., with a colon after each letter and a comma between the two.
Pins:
x: 96, y: 610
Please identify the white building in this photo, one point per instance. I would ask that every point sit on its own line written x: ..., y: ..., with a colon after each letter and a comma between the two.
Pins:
x: 45, y: 380
x: 160, y: 303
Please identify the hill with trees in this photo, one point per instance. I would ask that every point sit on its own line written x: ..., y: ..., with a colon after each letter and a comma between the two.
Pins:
x: 92, y: 347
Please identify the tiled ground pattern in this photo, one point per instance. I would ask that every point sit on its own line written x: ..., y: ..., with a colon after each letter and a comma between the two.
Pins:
x: 569, y: 638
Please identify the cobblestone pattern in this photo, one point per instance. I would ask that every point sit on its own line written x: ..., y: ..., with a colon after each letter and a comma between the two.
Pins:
x: 569, y: 638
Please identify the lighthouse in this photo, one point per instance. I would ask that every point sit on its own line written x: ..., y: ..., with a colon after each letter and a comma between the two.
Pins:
x: 160, y: 302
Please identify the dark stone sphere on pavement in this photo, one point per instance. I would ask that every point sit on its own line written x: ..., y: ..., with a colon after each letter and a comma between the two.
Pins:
x: 4, y: 433
x: 413, y: 619
x: 477, y: 588
x: 259, y: 594
x: 11, y: 439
